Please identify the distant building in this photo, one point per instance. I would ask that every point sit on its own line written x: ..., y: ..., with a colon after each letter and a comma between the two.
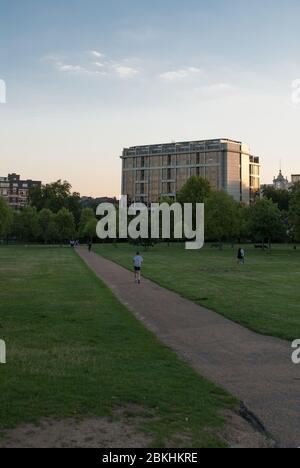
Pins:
x: 295, y: 178
x: 90, y: 202
x: 280, y: 182
x: 16, y: 191
x: 151, y: 172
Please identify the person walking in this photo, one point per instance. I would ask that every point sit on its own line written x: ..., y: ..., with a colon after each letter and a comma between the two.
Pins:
x: 138, y: 261
x: 90, y: 245
x: 241, y: 256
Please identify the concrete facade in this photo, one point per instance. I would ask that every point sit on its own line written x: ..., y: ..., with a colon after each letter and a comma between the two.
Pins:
x: 155, y: 171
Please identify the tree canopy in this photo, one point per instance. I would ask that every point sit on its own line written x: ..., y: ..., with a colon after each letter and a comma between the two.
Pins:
x: 279, y: 196
x: 294, y: 211
x: 221, y: 216
x: 265, y: 221
x: 195, y: 190
x: 56, y: 196
x: 6, y: 217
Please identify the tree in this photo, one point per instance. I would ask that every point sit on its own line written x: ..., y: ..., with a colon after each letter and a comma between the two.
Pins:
x: 65, y: 223
x: 278, y: 196
x: 6, y: 217
x: 265, y: 221
x: 86, y: 216
x: 294, y: 211
x: 26, y: 225
x: 195, y: 190
x: 56, y: 196
x: 53, y: 233
x: 243, y: 222
x: 221, y: 216
x: 46, y: 223
x: 90, y: 228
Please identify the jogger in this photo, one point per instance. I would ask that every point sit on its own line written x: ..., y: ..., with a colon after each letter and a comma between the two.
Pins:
x: 138, y: 261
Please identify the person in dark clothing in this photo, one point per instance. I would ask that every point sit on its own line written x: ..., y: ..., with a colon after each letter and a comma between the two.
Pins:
x: 90, y: 245
x: 241, y: 256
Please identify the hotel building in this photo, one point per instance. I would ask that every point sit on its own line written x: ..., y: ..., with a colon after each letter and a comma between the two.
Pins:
x: 16, y: 191
x: 155, y: 171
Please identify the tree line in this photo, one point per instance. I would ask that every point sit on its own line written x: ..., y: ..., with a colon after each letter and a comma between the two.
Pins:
x: 55, y: 215
x: 274, y: 217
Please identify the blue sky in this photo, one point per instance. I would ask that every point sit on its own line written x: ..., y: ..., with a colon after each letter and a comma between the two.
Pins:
x: 86, y: 78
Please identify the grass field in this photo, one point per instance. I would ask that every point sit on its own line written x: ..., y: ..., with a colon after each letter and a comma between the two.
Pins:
x: 263, y: 295
x: 74, y: 351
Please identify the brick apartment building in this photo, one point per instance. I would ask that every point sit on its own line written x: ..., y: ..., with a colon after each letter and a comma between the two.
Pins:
x: 16, y: 191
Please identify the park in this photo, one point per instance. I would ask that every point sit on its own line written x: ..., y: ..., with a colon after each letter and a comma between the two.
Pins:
x: 198, y: 355
x: 77, y: 353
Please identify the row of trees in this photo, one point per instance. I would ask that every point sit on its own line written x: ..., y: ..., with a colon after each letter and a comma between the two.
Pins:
x: 55, y: 215
x: 273, y: 217
x: 30, y: 225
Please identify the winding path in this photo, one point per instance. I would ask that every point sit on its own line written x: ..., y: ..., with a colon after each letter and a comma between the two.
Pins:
x: 256, y: 369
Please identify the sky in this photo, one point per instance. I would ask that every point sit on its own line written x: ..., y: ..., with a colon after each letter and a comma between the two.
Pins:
x: 86, y: 78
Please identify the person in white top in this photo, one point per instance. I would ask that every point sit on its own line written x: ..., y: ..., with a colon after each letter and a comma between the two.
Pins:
x: 138, y: 261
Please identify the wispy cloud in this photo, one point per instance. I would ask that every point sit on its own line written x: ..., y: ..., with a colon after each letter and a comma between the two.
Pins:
x: 97, y: 54
x: 126, y: 72
x: 105, y: 67
x: 68, y: 68
x: 181, y: 74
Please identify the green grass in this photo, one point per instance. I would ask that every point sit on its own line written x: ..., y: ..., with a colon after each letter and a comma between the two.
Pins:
x: 263, y: 295
x: 74, y: 351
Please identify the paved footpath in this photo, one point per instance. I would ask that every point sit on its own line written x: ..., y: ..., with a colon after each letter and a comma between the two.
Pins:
x: 256, y: 369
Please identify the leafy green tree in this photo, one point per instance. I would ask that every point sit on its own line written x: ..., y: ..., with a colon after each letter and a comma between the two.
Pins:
x: 221, y: 217
x: 46, y: 223
x: 65, y: 223
x: 294, y: 211
x: 6, y: 218
x: 243, y: 222
x: 56, y: 196
x: 195, y: 190
x: 279, y: 197
x: 265, y: 221
x: 90, y: 228
x: 87, y: 214
x: 26, y: 225
x: 53, y: 233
